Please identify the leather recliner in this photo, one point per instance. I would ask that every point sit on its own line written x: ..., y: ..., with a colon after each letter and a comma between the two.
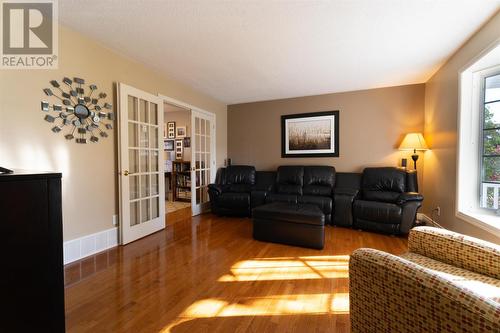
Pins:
x: 305, y: 185
x: 388, y: 200
x: 231, y: 195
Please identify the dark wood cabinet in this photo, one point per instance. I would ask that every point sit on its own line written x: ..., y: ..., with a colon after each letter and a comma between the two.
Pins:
x: 31, y: 280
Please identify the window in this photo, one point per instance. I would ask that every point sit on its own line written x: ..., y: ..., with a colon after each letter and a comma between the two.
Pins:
x: 490, y: 139
x: 478, y: 142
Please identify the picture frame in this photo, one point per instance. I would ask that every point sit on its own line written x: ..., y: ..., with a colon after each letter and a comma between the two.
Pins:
x: 314, y: 134
x: 170, y: 130
x: 187, y: 142
x: 179, y: 149
x: 180, y: 132
x: 168, y: 145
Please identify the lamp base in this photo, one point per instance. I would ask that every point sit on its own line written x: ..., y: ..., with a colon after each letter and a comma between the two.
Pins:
x: 414, y: 157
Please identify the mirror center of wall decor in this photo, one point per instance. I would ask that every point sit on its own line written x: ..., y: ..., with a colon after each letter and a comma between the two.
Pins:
x: 81, y: 111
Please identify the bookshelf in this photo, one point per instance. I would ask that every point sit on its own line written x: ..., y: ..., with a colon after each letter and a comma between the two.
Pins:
x: 181, y: 181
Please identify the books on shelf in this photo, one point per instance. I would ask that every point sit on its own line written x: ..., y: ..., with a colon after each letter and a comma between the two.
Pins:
x: 183, y: 181
x: 181, y: 166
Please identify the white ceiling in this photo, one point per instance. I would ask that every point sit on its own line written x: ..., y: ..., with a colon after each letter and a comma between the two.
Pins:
x: 240, y: 51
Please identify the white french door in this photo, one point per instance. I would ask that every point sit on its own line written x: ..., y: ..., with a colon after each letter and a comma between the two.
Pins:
x: 142, y: 181
x: 203, y: 159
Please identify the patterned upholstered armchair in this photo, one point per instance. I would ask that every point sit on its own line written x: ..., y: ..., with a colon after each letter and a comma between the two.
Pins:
x: 447, y: 282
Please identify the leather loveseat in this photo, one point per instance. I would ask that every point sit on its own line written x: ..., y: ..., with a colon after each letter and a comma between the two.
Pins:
x: 379, y: 199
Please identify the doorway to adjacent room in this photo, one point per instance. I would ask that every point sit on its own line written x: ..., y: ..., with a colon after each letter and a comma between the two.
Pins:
x: 189, y: 157
x: 177, y: 157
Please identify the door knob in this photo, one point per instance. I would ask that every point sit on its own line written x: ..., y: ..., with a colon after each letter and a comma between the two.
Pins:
x: 125, y: 173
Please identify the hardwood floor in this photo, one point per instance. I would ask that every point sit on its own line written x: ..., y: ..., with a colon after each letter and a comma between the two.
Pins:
x: 207, y: 274
x: 178, y: 215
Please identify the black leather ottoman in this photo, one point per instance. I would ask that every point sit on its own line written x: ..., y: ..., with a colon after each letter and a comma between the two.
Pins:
x: 289, y: 223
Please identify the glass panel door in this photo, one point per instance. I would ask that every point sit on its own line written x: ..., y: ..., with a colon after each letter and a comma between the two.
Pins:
x: 141, y: 177
x: 203, y: 157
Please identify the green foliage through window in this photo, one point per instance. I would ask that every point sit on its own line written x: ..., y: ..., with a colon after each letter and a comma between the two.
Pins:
x: 491, y: 141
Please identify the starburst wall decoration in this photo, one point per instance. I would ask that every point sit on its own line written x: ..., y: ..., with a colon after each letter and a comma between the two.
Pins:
x: 83, y: 110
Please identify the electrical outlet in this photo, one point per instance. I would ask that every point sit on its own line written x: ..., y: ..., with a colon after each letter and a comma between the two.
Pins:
x: 115, y: 220
x: 438, y: 211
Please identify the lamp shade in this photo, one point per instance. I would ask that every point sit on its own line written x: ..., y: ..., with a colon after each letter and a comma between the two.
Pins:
x: 413, y: 141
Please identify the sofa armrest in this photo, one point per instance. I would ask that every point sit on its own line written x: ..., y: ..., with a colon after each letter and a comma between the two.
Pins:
x: 409, y: 197
x: 455, y: 249
x: 390, y: 294
x: 343, y: 199
x: 215, y: 189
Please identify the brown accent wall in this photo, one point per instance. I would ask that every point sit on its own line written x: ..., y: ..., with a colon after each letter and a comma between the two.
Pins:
x: 372, y: 123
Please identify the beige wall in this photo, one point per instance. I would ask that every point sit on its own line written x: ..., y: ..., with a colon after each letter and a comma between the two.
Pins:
x: 441, y: 111
x: 372, y: 123
x: 89, y: 171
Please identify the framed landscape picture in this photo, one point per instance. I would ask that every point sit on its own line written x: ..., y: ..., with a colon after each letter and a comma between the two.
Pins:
x: 310, y: 134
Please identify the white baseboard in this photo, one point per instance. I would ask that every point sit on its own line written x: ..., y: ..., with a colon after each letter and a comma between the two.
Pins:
x: 82, y: 247
x: 428, y: 221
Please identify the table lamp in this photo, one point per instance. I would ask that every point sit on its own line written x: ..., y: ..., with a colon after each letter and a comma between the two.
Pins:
x: 413, y: 141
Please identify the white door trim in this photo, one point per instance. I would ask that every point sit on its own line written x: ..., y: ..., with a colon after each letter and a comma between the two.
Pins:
x: 182, y: 104
x: 213, y: 167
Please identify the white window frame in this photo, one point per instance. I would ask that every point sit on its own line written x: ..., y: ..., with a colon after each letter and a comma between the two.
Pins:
x: 470, y: 141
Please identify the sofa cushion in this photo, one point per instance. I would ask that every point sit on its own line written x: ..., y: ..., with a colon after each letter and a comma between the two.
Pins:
x: 289, y: 189
x: 240, y: 174
x: 319, y: 180
x: 290, y: 179
x: 237, y: 188
x: 382, y: 196
x: 323, y: 203
x: 383, y: 184
x: 381, y: 212
x: 384, y: 179
x: 325, y: 191
x: 293, y: 213
x: 234, y: 200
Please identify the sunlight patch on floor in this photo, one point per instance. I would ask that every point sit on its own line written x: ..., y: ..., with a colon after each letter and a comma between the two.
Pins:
x: 334, y: 303
x: 279, y: 268
x: 337, y: 303
x: 289, y: 268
